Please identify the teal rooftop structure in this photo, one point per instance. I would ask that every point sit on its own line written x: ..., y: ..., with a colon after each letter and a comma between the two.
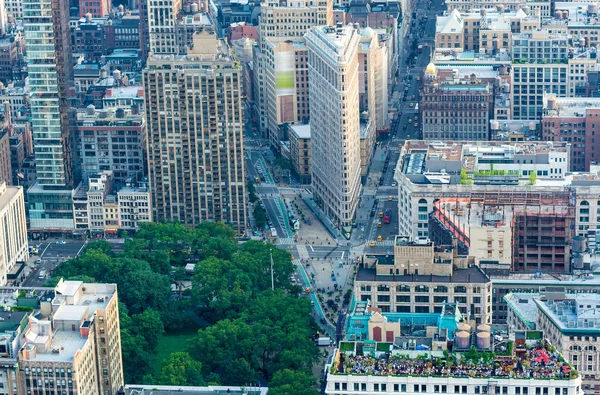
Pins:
x: 411, y: 324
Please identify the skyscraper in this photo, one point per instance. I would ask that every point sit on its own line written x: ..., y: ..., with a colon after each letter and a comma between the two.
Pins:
x: 335, y: 128
x: 50, y: 66
x: 195, y: 135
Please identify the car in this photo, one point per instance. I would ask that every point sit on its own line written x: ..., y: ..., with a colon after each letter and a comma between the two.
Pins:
x: 411, y: 105
x: 413, y: 96
x: 409, y: 120
x: 390, y: 198
x: 61, y: 242
x: 394, y: 184
x: 426, y: 44
x: 416, y: 125
x: 38, y: 261
x: 379, y: 238
x: 404, y: 126
x: 372, y: 244
x: 323, y: 321
x: 416, y: 118
x: 418, y: 78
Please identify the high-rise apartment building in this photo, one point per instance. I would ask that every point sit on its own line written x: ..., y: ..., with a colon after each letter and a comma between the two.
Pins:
x: 335, y: 124
x: 281, y: 80
x: 50, y: 66
x: 162, y: 17
x: 195, y: 145
x: 73, y: 344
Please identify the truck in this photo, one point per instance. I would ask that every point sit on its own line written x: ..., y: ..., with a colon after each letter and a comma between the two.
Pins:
x: 323, y: 341
x: 387, y: 216
x: 273, y: 232
x: 420, y: 49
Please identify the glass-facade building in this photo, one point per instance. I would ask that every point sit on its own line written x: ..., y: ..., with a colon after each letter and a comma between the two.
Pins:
x: 50, y: 74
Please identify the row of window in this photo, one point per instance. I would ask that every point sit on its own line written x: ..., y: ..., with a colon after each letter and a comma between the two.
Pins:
x: 445, y: 389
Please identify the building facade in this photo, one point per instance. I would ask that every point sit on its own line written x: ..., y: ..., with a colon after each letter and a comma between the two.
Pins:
x: 280, y: 21
x: 300, y: 151
x: 111, y: 139
x: 13, y: 228
x: 50, y: 65
x: 573, y: 120
x: 420, y: 278
x: 196, y: 159
x: 455, y: 108
x: 335, y: 126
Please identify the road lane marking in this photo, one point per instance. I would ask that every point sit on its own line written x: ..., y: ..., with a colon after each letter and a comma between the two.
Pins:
x: 311, y: 248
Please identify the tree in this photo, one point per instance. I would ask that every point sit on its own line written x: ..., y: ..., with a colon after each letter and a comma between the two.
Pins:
x: 251, y: 192
x: 149, y: 326
x: 142, y: 289
x: 532, y: 177
x: 292, y: 382
x: 181, y: 369
x: 260, y: 215
x: 136, y: 361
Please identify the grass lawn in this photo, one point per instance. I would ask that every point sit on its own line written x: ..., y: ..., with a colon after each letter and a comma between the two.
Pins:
x: 173, y: 342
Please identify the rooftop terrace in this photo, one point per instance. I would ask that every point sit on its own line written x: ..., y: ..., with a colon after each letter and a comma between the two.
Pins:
x: 537, y: 362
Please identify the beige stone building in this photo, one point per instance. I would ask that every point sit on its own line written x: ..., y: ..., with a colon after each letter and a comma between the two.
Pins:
x: 300, y: 151
x: 373, y: 61
x: 485, y: 30
x: 276, y: 76
x: 5, y: 164
x: 74, y: 343
x: 571, y: 322
x: 195, y: 147
x: 335, y: 123
x: 421, y: 277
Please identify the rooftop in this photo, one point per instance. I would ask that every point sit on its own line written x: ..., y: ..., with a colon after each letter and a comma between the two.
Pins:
x: 301, y: 131
x: 568, y: 107
x: 574, y: 14
x: 523, y: 305
x: 573, y: 313
x: 543, y: 362
x: 470, y: 275
x: 67, y: 342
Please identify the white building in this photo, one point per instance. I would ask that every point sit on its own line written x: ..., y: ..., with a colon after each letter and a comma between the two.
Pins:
x: 427, y: 171
x: 13, y: 230
x: 335, y: 123
x: 401, y: 371
x: 134, y: 207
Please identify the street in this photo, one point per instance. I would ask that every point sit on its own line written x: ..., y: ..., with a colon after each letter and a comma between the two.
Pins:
x: 326, y: 261
x: 52, y: 252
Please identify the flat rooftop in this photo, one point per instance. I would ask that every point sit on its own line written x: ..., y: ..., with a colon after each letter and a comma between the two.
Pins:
x: 523, y: 306
x: 570, y: 107
x: 574, y: 312
x: 301, y: 131
x: 67, y: 342
x: 470, y: 275
x: 543, y: 363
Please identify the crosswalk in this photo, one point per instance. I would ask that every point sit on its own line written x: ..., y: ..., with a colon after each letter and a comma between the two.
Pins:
x: 384, y: 243
x: 286, y: 240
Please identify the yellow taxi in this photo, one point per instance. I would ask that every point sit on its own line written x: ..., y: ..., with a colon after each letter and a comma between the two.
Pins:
x: 372, y: 244
x: 379, y: 238
x: 411, y: 105
x: 390, y: 198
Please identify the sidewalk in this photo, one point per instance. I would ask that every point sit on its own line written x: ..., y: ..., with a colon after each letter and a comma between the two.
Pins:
x: 318, y: 213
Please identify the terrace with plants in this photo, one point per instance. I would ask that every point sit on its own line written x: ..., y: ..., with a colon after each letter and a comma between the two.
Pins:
x: 539, y: 361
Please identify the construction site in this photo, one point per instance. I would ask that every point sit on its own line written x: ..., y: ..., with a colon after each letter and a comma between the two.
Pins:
x: 528, y: 231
